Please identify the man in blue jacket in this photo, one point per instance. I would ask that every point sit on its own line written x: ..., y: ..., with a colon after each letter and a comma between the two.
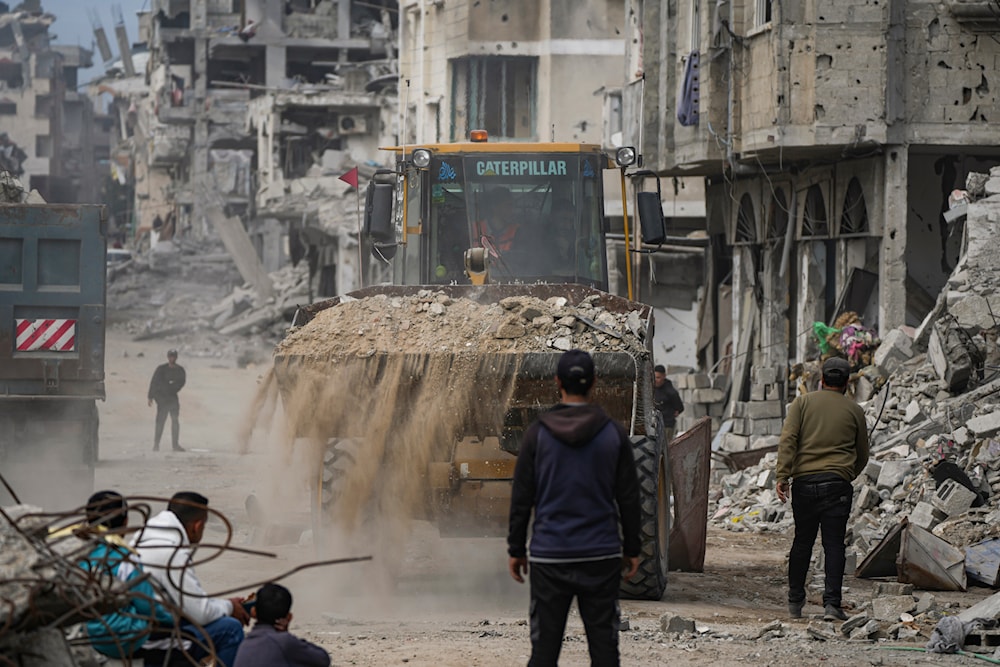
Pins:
x: 577, y: 471
x: 120, y: 633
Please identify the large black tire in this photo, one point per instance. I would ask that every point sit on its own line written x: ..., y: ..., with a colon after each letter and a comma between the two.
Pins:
x: 339, y: 457
x: 650, y: 581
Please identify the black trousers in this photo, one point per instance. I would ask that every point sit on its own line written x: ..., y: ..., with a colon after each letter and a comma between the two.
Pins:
x: 164, y: 408
x: 819, y: 503
x: 594, y: 584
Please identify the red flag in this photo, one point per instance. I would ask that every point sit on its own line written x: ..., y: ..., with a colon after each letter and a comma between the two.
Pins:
x: 351, y: 178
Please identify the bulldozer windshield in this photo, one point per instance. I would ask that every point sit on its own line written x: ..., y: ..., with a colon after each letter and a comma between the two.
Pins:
x: 538, y: 215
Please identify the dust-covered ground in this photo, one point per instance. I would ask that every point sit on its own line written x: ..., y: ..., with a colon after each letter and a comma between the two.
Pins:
x: 452, y: 601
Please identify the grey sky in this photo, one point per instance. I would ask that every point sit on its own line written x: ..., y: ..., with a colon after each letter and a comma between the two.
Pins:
x: 72, y: 24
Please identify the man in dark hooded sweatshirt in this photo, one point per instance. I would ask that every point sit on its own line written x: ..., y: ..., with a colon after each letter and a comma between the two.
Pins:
x: 577, y: 471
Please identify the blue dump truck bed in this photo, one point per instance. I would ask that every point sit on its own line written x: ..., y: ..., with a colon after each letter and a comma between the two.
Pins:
x: 52, y: 301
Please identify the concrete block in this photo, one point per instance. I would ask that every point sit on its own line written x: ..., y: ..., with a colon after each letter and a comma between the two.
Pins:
x: 867, y: 631
x: 772, y: 392
x: 850, y: 560
x: 913, y: 413
x: 891, y: 588
x: 872, y: 469
x: 679, y: 381
x: 674, y: 624
x: 741, y: 426
x: 716, y: 411
x: 947, y: 353
x: 896, y: 348
x: 868, y: 498
x: 985, y: 425
x: 699, y: 381
x: 952, y: 498
x: 764, y: 409
x: 719, y: 381
x: 757, y: 392
x: 925, y: 602
x: 708, y: 395
x: 926, y: 516
x: 765, y: 480
x: 854, y: 622
x: 890, y: 607
x: 732, y: 442
x: 961, y: 436
x: 739, y: 409
x: 765, y: 375
x: 893, y: 473
x: 973, y: 313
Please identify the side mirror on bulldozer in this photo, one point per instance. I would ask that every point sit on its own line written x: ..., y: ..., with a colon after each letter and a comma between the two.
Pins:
x: 654, y: 225
x: 378, y: 223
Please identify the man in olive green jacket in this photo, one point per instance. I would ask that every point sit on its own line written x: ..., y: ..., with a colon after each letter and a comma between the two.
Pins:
x: 823, y: 447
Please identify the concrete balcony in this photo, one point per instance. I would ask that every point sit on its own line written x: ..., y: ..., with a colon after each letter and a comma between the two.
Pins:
x: 980, y: 16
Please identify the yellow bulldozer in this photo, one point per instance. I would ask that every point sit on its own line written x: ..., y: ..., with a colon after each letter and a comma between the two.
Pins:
x: 500, y: 263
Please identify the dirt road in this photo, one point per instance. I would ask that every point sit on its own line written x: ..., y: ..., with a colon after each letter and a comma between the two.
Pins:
x: 453, y: 602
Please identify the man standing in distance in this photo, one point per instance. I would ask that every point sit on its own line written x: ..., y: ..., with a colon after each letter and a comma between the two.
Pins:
x: 168, y: 380
x: 823, y: 447
x: 667, y: 400
x: 577, y: 471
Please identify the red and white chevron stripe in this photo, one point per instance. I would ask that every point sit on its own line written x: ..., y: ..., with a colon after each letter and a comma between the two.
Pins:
x: 57, y: 335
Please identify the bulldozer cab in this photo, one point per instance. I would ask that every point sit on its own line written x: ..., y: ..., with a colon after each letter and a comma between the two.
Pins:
x: 477, y: 212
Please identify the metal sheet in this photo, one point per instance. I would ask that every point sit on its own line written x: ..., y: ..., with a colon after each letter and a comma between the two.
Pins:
x: 690, y: 463
x: 928, y: 562
x: 881, y: 561
x: 916, y: 556
x: 982, y: 562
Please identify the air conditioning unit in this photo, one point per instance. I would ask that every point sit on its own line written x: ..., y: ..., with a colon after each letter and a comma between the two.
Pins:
x: 352, y: 124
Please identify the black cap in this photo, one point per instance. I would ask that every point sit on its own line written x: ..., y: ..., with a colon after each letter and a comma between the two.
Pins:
x: 836, y: 371
x: 171, y: 353
x: 576, y: 371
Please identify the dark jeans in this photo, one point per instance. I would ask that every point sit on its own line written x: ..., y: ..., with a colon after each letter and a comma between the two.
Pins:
x: 819, y: 503
x: 226, y: 633
x: 164, y: 408
x: 595, y: 586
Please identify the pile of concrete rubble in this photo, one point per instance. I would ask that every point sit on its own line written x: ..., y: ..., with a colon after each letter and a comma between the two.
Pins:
x: 931, y: 395
x: 432, y: 321
x: 200, y: 303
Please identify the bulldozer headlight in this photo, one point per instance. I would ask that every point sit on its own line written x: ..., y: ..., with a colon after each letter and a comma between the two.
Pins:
x: 625, y: 156
x: 421, y: 158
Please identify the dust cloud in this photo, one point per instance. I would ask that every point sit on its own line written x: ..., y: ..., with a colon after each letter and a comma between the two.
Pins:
x: 369, y: 395
x: 360, y: 433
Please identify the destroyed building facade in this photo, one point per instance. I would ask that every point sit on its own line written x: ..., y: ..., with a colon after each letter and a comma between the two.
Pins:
x: 830, y: 136
x: 50, y: 136
x: 242, y: 118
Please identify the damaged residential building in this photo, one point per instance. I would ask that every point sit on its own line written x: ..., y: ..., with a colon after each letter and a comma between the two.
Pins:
x: 250, y: 110
x: 47, y: 127
x: 830, y: 136
x: 548, y: 71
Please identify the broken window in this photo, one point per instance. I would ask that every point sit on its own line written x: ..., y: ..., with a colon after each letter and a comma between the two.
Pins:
x: 762, y: 13
x: 777, y: 224
x: 497, y: 95
x: 746, y: 222
x: 815, y: 223
x: 854, y: 220
x: 43, y: 145
x: 696, y: 25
